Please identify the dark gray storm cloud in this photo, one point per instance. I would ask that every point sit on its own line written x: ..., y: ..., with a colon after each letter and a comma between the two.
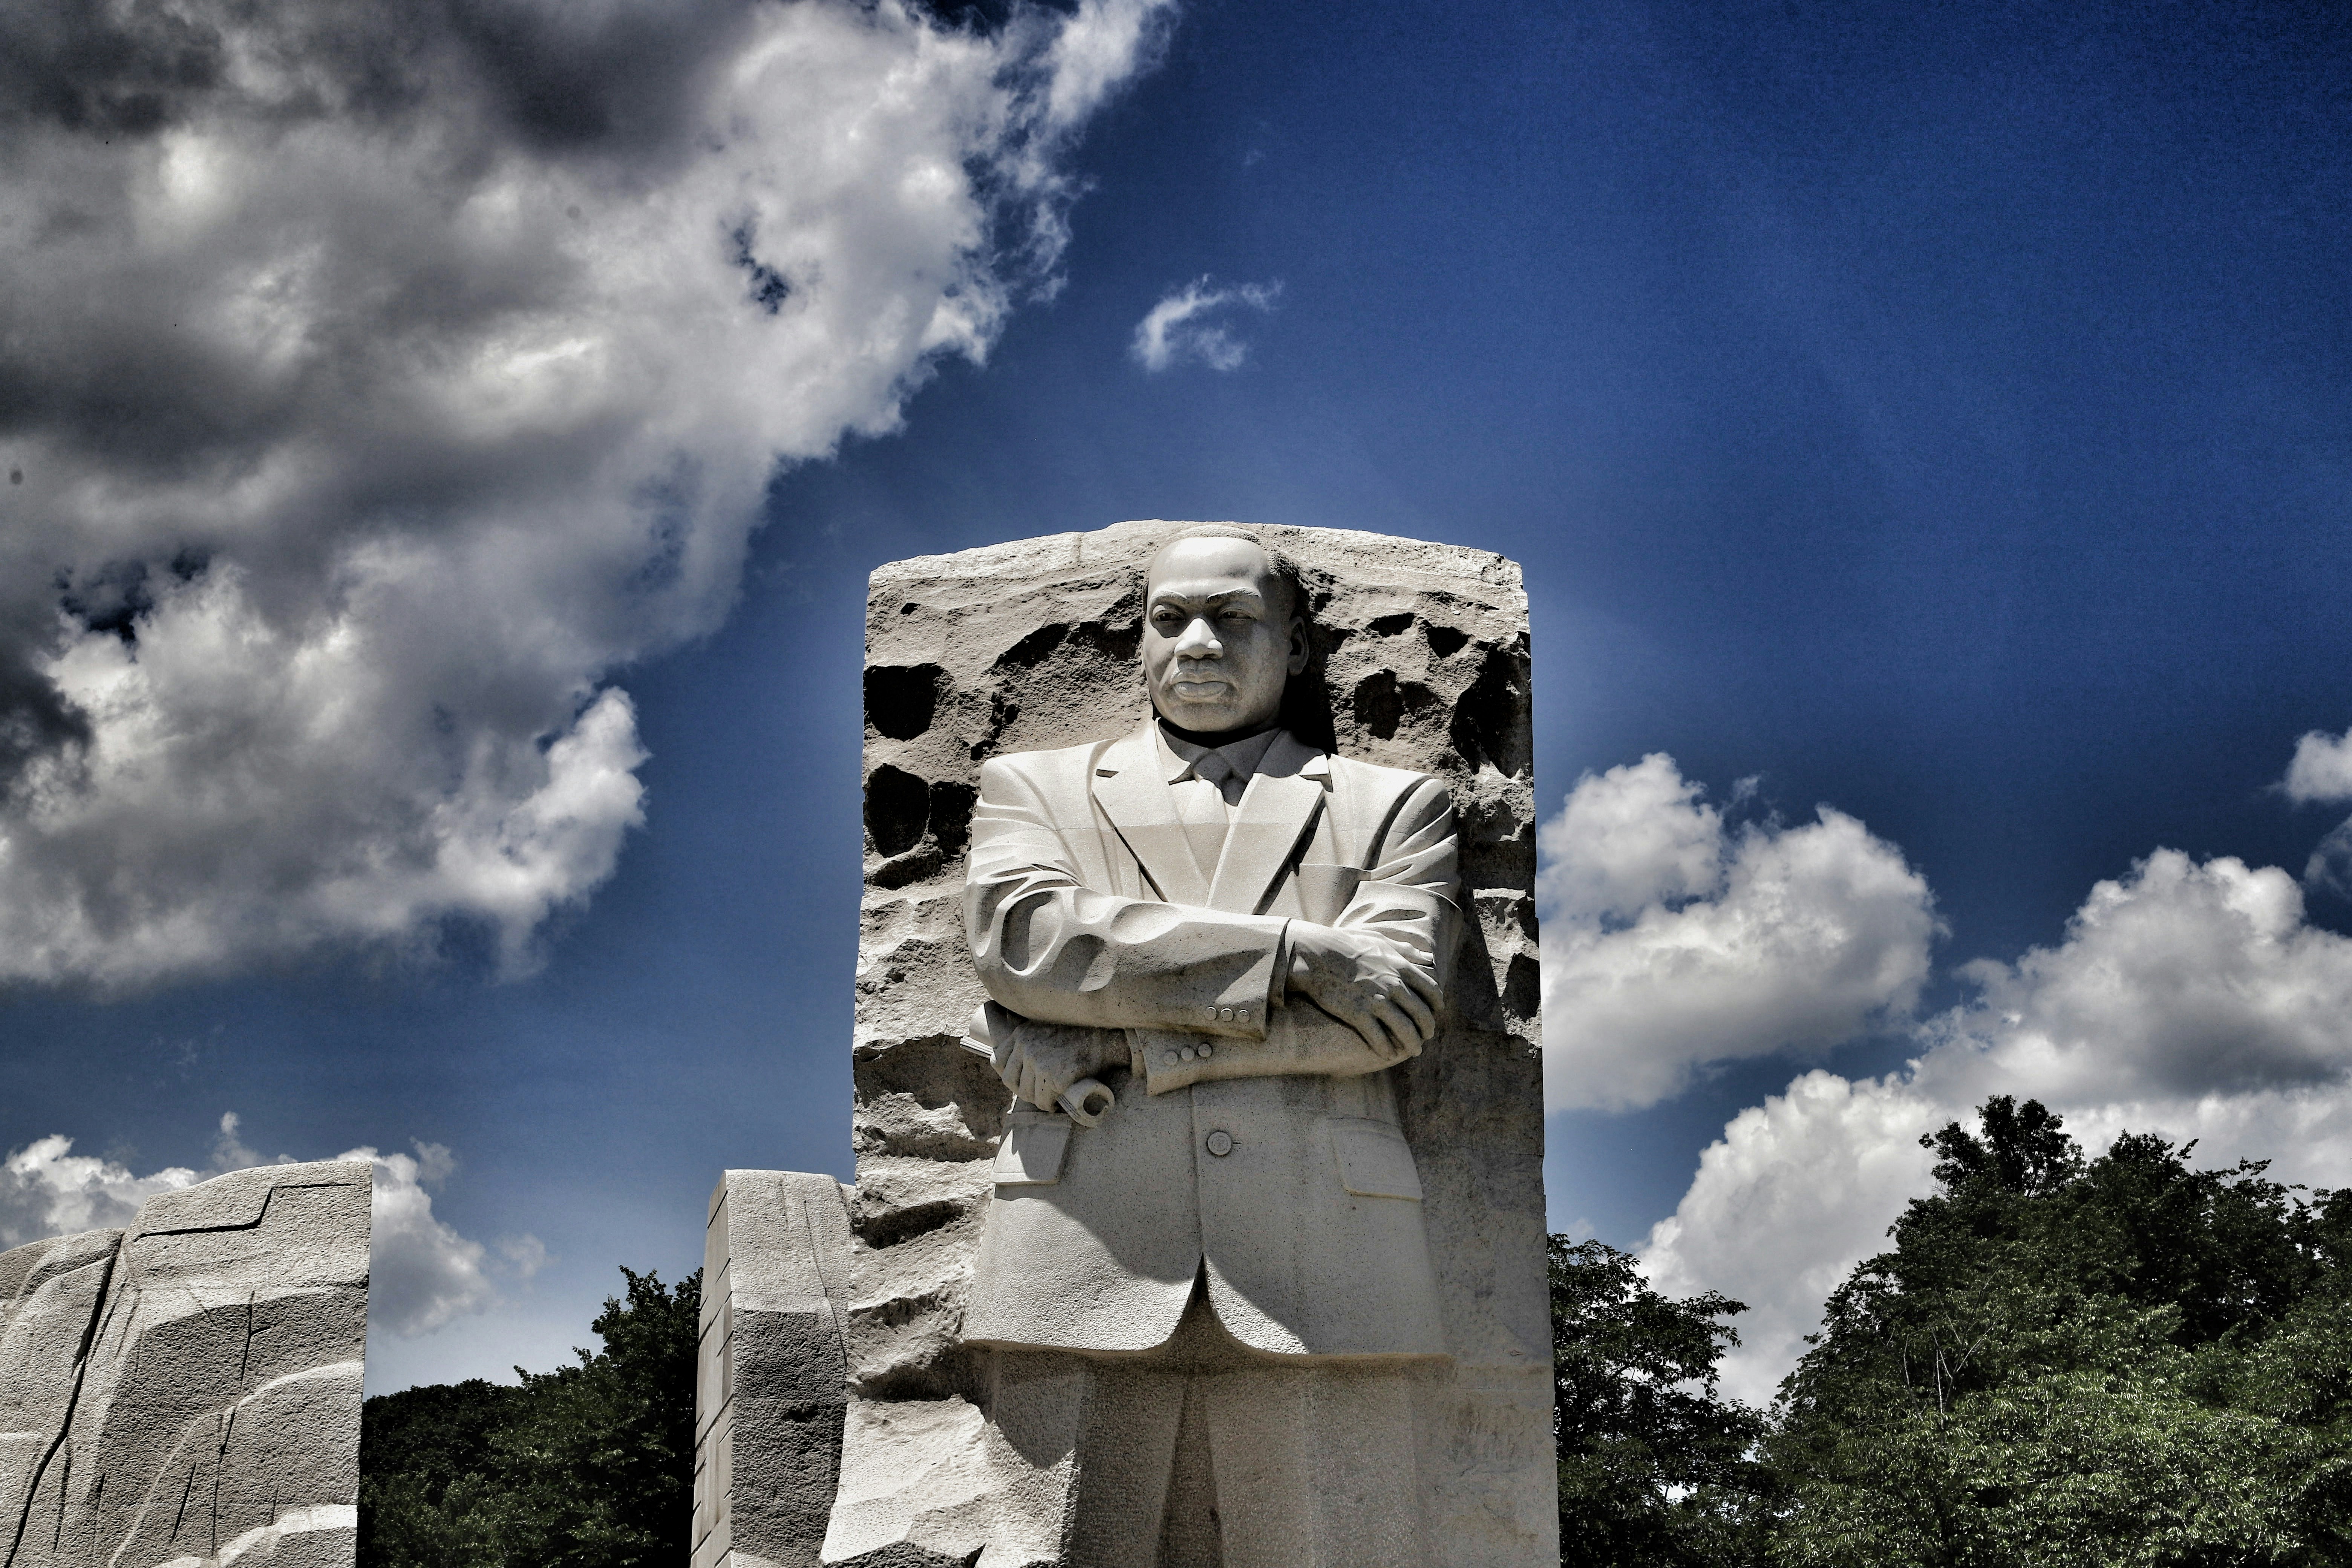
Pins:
x: 374, y: 379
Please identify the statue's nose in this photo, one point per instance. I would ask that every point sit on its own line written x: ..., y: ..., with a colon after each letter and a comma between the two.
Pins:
x: 1199, y: 642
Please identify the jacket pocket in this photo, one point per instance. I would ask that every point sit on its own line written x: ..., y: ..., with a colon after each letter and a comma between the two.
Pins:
x: 1029, y: 1155
x: 1375, y: 1162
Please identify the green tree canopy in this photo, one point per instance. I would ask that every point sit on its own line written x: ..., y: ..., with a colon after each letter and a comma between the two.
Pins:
x: 586, y: 1467
x: 2123, y: 1361
x: 1655, y: 1468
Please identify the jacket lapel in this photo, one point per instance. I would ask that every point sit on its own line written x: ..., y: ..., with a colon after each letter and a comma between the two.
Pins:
x: 1141, y: 805
x: 1278, y: 809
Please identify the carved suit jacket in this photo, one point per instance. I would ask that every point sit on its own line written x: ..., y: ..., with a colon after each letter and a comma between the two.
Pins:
x: 1254, y: 1135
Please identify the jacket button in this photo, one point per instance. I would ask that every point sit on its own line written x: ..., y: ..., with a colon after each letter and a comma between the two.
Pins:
x: 1221, y: 1142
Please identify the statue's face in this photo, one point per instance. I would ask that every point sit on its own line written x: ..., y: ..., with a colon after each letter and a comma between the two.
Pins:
x: 1221, y: 638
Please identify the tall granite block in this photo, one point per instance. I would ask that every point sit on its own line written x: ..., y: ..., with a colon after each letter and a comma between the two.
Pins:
x: 186, y: 1394
x: 1420, y: 662
x: 770, y: 1396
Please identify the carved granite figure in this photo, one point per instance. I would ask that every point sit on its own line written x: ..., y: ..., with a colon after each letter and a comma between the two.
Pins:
x: 1221, y: 939
x: 1198, y: 1290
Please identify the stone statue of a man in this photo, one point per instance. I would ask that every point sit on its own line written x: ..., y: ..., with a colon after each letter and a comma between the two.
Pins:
x: 1203, y: 1270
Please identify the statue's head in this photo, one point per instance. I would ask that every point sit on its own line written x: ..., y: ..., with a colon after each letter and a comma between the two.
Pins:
x: 1224, y: 629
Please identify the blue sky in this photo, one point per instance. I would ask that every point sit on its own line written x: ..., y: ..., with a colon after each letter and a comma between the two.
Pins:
x: 1936, y: 414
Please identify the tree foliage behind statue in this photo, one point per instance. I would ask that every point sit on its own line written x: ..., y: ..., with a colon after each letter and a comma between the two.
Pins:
x: 2120, y: 1361
x: 586, y: 1467
x: 1656, y: 1468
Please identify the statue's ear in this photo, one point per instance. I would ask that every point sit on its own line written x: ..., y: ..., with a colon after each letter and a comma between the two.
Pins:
x: 1302, y: 648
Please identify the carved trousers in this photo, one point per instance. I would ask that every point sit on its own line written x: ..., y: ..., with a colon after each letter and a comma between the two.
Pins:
x: 1202, y: 1454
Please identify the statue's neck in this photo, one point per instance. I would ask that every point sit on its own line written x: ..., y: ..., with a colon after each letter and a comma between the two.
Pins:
x: 1218, y: 738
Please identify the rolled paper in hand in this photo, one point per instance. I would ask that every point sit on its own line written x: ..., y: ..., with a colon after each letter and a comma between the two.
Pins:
x: 1079, y: 1101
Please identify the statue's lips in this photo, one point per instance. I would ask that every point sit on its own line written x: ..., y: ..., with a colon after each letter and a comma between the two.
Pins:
x: 1200, y: 690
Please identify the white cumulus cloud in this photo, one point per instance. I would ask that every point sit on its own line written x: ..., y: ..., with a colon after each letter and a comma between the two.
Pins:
x: 2321, y: 768
x: 421, y: 1273
x: 1672, y: 940
x: 1183, y: 326
x: 46, y: 1189
x: 2191, y: 1000
x: 376, y: 381
x: 2321, y: 771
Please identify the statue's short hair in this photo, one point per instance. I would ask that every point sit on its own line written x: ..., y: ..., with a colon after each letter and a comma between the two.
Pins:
x: 1286, y: 570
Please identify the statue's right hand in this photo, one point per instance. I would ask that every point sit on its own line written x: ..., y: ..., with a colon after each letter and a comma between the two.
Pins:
x: 1043, y: 1060
x: 1368, y: 984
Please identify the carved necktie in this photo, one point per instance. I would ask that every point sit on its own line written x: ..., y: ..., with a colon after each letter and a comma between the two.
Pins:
x: 1201, y: 801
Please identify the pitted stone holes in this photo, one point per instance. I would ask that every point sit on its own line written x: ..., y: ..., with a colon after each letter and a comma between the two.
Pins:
x: 901, y: 698
x: 1378, y: 706
x: 898, y: 806
x: 1032, y: 650
x: 1381, y: 702
x: 1490, y: 726
x: 951, y: 815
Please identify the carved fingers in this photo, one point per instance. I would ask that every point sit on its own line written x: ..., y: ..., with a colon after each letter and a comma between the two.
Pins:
x: 1046, y: 1060
x: 1368, y: 984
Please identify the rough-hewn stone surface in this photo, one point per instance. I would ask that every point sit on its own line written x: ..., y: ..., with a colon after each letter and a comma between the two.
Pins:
x: 186, y: 1394
x: 1422, y: 658
x: 769, y: 1403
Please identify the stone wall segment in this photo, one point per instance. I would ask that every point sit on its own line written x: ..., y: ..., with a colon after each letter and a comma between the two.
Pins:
x: 772, y: 1382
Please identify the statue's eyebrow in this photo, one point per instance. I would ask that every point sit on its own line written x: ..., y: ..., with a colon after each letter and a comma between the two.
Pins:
x: 1223, y: 596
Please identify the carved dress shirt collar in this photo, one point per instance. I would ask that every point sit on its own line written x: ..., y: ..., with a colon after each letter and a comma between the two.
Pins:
x: 1180, y: 758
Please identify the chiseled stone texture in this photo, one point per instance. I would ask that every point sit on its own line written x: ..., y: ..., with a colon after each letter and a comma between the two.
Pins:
x: 186, y: 1394
x: 1422, y: 651
x: 772, y: 1387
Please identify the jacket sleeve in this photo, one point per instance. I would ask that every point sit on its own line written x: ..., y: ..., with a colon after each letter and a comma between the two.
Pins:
x: 1412, y: 892
x: 1049, y: 948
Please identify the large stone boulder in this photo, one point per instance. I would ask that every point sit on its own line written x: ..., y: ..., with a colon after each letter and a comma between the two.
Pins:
x: 186, y: 1394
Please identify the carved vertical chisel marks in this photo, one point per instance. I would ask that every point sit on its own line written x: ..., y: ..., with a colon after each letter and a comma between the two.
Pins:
x: 21, y: 1331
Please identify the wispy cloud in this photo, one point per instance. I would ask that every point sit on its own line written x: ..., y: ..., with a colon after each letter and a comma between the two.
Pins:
x: 1181, y: 326
x: 525, y: 1254
x: 379, y: 380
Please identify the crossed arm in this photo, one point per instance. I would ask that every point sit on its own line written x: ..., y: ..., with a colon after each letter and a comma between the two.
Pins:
x: 1055, y: 952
